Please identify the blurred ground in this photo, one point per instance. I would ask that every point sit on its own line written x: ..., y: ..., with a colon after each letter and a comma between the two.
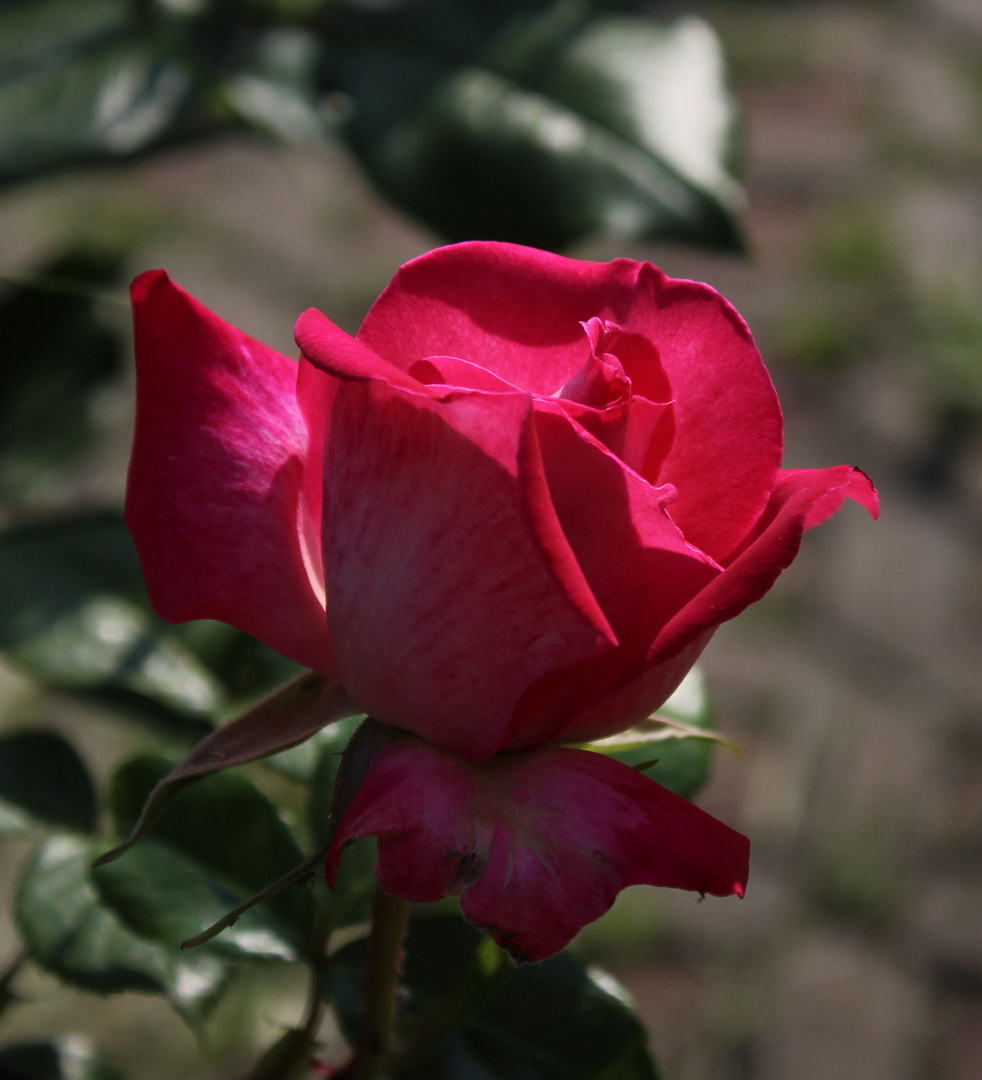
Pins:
x: 854, y: 689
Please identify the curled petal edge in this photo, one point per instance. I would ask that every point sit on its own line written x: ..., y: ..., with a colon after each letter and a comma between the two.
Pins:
x: 802, y: 499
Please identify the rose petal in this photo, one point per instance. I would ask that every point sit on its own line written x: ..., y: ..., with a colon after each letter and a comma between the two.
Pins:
x: 452, y: 371
x: 517, y: 312
x: 539, y: 843
x: 802, y: 498
x: 627, y: 429
x: 426, y: 503
x: 215, y: 489
x: 604, y: 508
x: 329, y: 348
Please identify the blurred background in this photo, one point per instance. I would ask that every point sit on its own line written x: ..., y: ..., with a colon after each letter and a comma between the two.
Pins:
x: 853, y: 689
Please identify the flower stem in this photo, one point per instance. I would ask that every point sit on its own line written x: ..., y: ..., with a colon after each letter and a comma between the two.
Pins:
x: 390, y: 917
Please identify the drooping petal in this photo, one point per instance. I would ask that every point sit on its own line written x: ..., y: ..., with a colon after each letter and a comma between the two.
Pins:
x: 639, y: 566
x: 538, y: 843
x: 517, y: 312
x: 215, y: 489
x: 426, y: 503
x: 802, y: 498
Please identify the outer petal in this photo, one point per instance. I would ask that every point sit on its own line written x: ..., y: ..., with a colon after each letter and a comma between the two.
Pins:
x: 803, y: 498
x: 517, y: 311
x: 426, y: 503
x: 329, y: 348
x: 638, y: 565
x: 539, y: 843
x: 214, y: 495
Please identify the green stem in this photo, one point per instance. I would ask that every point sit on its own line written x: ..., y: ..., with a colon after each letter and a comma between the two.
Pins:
x: 287, y: 1056
x: 289, y: 878
x: 390, y: 917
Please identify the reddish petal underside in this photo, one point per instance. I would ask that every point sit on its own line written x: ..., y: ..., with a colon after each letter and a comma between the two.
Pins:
x: 215, y: 488
x: 802, y: 499
x: 425, y: 505
x: 538, y: 843
x: 517, y: 311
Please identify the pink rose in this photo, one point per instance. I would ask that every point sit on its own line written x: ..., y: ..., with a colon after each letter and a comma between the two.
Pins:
x: 527, y: 492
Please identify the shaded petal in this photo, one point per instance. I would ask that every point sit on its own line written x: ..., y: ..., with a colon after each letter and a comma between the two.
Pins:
x: 215, y: 488
x: 539, y: 843
x: 628, y: 429
x: 447, y: 604
x: 315, y: 397
x: 802, y: 498
x: 635, y: 698
x: 605, y: 508
x: 517, y: 312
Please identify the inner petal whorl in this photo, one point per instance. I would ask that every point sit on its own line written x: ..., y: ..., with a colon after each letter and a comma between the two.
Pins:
x: 601, y: 382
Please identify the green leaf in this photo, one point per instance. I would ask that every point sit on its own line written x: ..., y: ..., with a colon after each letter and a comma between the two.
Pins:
x: 524, y: 120
x: 70, y: 1058
x: 57, y: 355
x: 82, y: 81
x: 468, y: 1013
x: 74, y: 614
x: 161, y: 894
x: 246, y: 668
x: 555, y: 128
x: 68, y: 931
x: 683, y: 764
x: 43, y: 781
x: 226, y: 825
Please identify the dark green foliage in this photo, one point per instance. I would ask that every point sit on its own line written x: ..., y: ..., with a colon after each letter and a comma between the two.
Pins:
x: 467, y: 1012
x: 71, y: 933
x: 525, y: 120
x: 57, y: 353
x: 224, y: 824
x: 71, y: 1059
x: 165, y: 896
x: 74, y: 613
x: 541, y: 123
x: 43, y: 781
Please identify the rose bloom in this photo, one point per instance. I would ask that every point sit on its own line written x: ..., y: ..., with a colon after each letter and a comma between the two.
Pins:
x: 507, y: 515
